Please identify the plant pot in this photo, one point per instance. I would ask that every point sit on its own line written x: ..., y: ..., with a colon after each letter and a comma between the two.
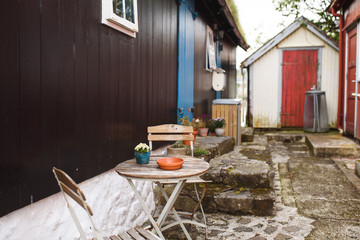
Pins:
x: 142, y: 158
x: 176, y: 151
x: 187, y: 142
x: 203, y: 132
x: 212, y: 133
x: 357, y: 167
x: 219, y: 131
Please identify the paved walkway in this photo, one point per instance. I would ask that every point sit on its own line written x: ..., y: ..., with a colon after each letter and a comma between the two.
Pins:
x: 314, y: 200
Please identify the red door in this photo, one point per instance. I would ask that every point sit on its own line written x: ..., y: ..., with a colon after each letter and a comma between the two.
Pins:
x: 299, y: 72
x: 351, y: 70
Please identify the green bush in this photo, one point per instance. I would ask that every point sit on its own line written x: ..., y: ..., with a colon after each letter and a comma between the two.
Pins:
x: 200, y: 152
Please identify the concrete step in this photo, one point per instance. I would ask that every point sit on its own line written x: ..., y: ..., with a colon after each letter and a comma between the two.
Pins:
x: 325, y: 145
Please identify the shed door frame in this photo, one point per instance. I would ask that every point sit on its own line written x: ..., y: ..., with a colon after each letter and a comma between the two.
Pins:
x: 357, y: 79
x: 318, y: 77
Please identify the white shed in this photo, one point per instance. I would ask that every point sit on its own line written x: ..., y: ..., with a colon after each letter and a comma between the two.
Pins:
x: 279, y: 73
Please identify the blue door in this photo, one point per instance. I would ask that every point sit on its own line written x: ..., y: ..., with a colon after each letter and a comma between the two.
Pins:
x: 186, y: 58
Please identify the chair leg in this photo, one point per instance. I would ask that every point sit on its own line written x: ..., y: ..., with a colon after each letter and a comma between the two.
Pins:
x: 200, y: 205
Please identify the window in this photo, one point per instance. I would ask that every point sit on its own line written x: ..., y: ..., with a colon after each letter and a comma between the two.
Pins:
x: 210, y: 50
x: 121, y: 15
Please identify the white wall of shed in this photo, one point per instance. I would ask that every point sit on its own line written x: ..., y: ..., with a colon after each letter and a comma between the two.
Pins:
x: 329, y: 68
x: 114, y: 204
x: 266, y: 90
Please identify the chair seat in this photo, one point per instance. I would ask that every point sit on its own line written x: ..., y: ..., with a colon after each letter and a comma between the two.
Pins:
x: 136, y: 233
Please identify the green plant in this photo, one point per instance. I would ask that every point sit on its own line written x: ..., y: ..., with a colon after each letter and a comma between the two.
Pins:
x: 185, y: 121
x: 219, y: 122
x: 178, y: 144
x: 142, y: 148
x: 198, y: 123
x: 212, y: 125
x: 200, y: 152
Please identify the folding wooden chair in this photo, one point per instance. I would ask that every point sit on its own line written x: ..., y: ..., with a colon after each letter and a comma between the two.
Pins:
x: 174, y: 132
x: 70, y: 189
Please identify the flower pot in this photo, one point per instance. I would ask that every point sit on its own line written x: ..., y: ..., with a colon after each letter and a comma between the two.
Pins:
x: 176, y: 151
x: 219, y: 131
x: 187, y: 142
x: 212, y: 133
x: 142, y: 158
x: 203, y: 132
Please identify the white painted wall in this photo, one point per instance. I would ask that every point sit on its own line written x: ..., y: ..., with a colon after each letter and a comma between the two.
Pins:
x: 266, y: 90
x: 266, y: 95
x: 114, y: 205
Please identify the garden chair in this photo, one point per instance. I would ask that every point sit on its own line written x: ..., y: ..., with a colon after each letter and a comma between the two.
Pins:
x: 174, y: 132
x: 70, y: 189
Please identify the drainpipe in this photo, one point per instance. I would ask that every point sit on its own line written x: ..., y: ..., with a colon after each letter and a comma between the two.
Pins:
x: 341, y: 71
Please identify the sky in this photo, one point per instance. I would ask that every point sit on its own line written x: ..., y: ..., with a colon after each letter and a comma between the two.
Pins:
x: 260, y: 22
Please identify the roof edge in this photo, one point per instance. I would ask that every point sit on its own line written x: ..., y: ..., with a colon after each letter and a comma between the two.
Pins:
x: 285, y: 33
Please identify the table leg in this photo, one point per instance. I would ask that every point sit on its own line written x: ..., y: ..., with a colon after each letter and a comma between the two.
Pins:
x: 169, y: 205
x: 146, y: 209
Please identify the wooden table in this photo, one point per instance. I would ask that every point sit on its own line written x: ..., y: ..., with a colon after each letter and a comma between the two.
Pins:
x: 151, y: 172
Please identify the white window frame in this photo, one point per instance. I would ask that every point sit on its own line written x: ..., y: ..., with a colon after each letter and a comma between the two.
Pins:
x: 121, y: 24
x: 210, y: 50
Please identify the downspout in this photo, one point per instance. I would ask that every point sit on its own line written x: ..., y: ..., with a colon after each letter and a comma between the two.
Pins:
x: 340, y: 114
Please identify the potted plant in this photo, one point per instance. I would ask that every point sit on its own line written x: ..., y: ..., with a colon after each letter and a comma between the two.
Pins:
x: 202, y: 153
x: 186, y: 122
x: 142, y: 153
x: 219, y: 124
x: 203, y: 130
x: 178, y: 148
x: 211, y: 125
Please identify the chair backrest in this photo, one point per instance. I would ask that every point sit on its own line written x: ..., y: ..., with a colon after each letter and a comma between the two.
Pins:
x: 70, y: 189
x: 171, y: 132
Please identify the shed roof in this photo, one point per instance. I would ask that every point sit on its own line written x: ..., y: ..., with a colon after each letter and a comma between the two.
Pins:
x: 220, y: 12
x: 300, y: 22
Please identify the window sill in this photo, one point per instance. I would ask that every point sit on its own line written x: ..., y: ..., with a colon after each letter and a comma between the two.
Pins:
x: 119, y: 28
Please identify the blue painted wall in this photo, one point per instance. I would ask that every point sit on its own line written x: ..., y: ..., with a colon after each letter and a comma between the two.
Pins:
x: 186, y: 37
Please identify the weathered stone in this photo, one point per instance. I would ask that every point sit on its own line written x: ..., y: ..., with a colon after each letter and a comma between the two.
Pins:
x: 234, y: 203
x: 264, y: 201
x: 281, y: 236
x: 247, y: 134
x: 270, y: 229
x: 291, y: 229
x: 216, y: 145
x: 244, y: 220
x: 243, y: 229
x: 254, y: 174
x: 331, y: 145
x: 257, y: 237
x: 357, y: 167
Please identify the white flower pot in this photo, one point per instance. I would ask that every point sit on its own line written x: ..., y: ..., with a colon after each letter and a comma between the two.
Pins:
x: 219, y: 131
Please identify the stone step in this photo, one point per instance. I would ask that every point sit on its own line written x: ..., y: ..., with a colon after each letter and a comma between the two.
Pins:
x: 325, y: 145
x: 247, y: 134
x: 222, y: 198
x: 217, y: 146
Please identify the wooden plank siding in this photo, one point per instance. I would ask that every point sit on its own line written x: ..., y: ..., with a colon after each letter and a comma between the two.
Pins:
x: 203, y: 92
x: 77, y: 94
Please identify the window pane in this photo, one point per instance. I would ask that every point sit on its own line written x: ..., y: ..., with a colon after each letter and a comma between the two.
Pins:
x: 118, y: 7
x: 129, y: 8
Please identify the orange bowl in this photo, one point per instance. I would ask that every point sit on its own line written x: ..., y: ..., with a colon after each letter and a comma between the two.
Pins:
x: 170, y: 163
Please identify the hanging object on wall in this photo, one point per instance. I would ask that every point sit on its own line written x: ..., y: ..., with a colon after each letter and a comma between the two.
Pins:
x: 218, y: 79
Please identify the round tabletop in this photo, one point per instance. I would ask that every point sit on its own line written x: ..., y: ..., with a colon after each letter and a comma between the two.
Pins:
x: 192, y: 167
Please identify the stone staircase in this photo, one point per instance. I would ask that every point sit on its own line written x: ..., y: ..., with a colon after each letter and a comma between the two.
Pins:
x: 241, y: 178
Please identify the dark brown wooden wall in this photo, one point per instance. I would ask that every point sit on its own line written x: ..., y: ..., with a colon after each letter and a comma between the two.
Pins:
x: 203, y: 92
x: 77, y: 94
